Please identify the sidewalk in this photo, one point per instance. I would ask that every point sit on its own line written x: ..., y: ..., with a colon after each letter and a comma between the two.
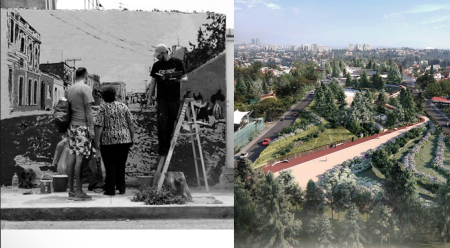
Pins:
x: 217, y: 204
x: 255, y: 139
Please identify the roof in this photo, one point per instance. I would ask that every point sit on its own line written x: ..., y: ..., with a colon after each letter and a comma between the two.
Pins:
x: 440, y: 99
x: 238, y: 115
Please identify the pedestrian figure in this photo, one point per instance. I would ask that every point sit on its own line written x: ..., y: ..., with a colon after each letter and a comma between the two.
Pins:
x: 167, y: 97
x: 80, y: 132
x: 114, y: 137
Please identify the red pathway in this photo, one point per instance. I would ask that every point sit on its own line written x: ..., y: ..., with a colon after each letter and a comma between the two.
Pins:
x: 296, y: 161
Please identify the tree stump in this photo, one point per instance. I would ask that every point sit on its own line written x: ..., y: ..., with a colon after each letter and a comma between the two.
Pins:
x: 177, y: 182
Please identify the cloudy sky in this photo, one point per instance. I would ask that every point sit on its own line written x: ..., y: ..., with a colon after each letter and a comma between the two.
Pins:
x: 414, y: 23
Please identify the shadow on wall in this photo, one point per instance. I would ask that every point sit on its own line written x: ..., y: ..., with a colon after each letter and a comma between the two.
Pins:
x: 30, y: 142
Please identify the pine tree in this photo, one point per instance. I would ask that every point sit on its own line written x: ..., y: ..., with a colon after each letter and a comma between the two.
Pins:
x: 241, y: 87
x: 408, y: 104
x: 277, y: 226
x: 319, y: 97
x: 340, y: 96
x: 314, y: 200
x: 321, y: 231
x: 355, y: 83
x: 381, y: 102
x: 353, y: 234
x: 364, y: 81
x: 441, y: 214
x: 244, y: 213
x: 348, y: 81
x: 247, y: 174
x: 329, y: 109
x: 383, y: 223
x: 291, y: 187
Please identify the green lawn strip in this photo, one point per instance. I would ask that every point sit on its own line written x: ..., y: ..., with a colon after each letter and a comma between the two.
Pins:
x: 401, y: 153
x: 424, y: 159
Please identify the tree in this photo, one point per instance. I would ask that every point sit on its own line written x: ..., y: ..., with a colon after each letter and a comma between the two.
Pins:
x: 355, y: 83
x: 244, y: 213
x: 441, y: 214
x: 319, y: 97
x: 329, y: 109
x: 408, y: 104
x: 353, y: 234
x: 383, y: 223
x: 363, y: 199
x: 341, y: 98
x: 277, y: 226
x: 241, y: 87
x: 377, y: 82
x: 434, y: 89
x: 348, y: 81
x: 210, y: 42
x: 364, y: 81
x: 321, y: 231
x: 314, y: 200
x: 342, y: 196
x: 248, y: 175
x: 425, y: 80
x: 291, y: 187
x: 420, y: 102
x: 391, y: 119
x: 381, y: 102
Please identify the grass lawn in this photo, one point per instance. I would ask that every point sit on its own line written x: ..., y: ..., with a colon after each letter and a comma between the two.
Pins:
x: 329, y: 136
x: 424, y: 158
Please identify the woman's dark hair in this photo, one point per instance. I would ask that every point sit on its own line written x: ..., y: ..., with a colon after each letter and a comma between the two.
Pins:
x: 109, y: 94
x: 81, y: 71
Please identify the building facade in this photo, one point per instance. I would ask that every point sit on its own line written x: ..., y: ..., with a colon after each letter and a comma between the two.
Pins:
x: 62, y: 70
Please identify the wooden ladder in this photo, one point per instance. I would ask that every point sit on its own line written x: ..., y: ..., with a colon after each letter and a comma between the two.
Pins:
x: 194, y: 132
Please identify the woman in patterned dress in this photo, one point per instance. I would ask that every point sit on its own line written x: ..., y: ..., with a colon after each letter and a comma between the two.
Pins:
x: 114, y: 135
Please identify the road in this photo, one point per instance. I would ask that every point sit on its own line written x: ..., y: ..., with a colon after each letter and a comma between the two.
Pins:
x: 256, y: 149
x: 431, y: 109
x: 192, y: 224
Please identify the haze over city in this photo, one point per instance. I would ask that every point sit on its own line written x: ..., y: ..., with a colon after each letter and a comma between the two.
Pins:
x: 383, y: 23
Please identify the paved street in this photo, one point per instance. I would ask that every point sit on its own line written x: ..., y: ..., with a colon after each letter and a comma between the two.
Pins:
x: 191, y: 224
x: 257, y: 148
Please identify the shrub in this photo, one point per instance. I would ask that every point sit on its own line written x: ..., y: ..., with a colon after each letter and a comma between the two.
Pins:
x: 150, y: 196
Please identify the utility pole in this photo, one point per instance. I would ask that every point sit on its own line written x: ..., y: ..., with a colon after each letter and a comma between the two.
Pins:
x: 73, y: 61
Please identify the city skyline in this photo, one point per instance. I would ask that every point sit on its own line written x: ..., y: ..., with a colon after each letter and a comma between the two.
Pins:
x: 337, y: 25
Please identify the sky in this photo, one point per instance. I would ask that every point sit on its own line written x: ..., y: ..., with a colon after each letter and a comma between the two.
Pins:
x: 381, y: 23
x: 218, y: 6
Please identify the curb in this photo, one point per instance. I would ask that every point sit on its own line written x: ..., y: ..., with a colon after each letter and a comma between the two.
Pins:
x: 109, y: 213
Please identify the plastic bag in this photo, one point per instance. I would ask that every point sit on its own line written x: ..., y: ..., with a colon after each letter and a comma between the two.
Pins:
x: 63, y: 160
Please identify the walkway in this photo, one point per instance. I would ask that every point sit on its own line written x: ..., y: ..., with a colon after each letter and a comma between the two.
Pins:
x: 313, y: 165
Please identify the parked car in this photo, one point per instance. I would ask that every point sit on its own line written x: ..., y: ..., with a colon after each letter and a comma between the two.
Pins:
x: 295, y: 114
x: 243, y: 155
x: 281, y: 119
x: 266, y: 142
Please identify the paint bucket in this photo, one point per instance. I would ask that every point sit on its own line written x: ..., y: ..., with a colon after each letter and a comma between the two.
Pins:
x: 60, y: 183
x: 144, y: 182
x: 46, y: 186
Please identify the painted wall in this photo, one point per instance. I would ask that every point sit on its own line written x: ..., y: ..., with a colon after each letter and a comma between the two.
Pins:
x: 29, y: 140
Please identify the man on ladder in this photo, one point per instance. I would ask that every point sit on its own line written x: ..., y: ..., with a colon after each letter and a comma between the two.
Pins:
x: 168, y: 97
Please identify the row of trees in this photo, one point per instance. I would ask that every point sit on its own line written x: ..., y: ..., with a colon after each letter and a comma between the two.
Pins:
x: 263, y: 217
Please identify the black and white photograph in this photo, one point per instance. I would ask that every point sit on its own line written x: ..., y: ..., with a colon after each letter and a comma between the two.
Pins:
x: 114, y: 115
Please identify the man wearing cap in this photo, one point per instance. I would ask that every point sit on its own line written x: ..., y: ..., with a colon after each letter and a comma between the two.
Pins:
x: 168, y: 97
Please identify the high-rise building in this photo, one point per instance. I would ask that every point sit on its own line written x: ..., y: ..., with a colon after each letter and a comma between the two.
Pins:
x: 351, y: 47
x: 294, y: 48
x: 314, y: 48
x: 258, y: 43
x: 253, y: 42
x: 366, y: 47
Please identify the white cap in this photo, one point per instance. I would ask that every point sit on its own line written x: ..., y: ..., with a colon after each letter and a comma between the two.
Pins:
x: 159, y: 49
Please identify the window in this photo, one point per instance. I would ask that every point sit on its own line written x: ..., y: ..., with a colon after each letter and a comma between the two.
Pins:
x: 49, y: 93
x: 35, y: 92
x: 10, y: 83
x: 21, y: 90
x: 29, y: 92
x: 22, y: 45
x: 12, y: 31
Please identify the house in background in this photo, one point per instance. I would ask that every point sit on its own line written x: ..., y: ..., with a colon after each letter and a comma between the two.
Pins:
x: 62, y: 70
